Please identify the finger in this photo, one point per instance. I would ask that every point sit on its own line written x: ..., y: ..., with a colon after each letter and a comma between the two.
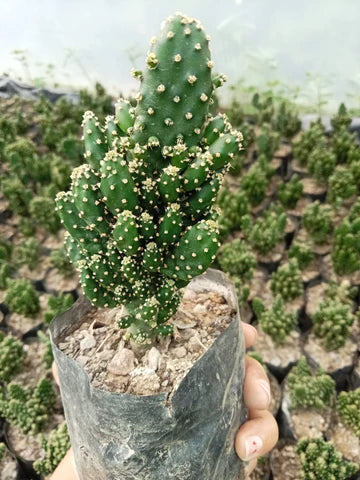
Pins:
x: 250, y: 334
x: 257, y: 436
x: 55, y: 373
x: 257, y: 393
x: 250, y: 467
x: 66, y: 468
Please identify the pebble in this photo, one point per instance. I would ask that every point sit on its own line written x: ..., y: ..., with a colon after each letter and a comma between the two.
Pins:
x: 194, y: 344
x: 179, y: 352
x: 105, y: 355
x: 199, y: 308
x: 122, y: 363
x: 87, y: 342
x: 153, y: 359
x: 82, y: 359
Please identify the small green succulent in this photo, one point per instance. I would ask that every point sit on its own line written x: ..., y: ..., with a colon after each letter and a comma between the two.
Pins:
x: 287, y: 282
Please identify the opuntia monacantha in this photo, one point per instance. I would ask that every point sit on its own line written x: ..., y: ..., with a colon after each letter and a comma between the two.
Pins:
x: 139, y: 215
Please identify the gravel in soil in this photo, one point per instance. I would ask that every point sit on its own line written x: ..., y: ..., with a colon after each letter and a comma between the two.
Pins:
x: 279, y: 355
x: 285, y: 463
x: 113, y: 365
x: 344, y: 440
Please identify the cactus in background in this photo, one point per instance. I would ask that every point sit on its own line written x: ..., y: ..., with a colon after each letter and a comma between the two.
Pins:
x: 346, y: 247
x: 308, y: 389
x: 254, y: 183
x: 289, y: 193
x: 139, y: 213
x: 287, y: 282
x: 55, y: 448
x: 275, y: 321
x: 27, y: 253
x: 348, y: 407
x: 321, y: 163
x: 21, y: 297
x: 60, y: 262
x: 267, y: 141
x: 302, y: 252
x: 320, y: 460
x: 56, y: 305
x: 332, y: 322
x: 234, y: 207
x: 287, y: 120
x: 236, y: 259
x: 12, y: 355
x: 341, y: 119
x: 311, y: 138
x: 342, y: 185
x: 26, y: 407
x: 42, y: 209
x: 267, y: 232
x: 4, y: 275
x: 48, y: 356
x: 343, y: 143
x: 264, y: 107
x: 317, y: 221
x: 16, y: 194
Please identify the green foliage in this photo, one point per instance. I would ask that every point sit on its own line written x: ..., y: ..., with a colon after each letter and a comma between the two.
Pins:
x: 346, y: 247
x: 17, y: 195
x: 289, y: 193
x: 42, y: 209
x: 26, y: 407
x: 12, y: 355
x: 287, y: 120
x: 287, y: 282
x: 317, y: 221
x: 61, y: 263
x: 275, y: 321
x: 267, y: 231
x: 140, y: 213
x: 311, y: 138
x: 348, y: 407
x: 234, y: 206
x: 308, y: 389
x: 267, y: 141
x: 5, y: 249
x: 342, y: 185
x: 21, y: 158
x: 320, y: 460
x: 21, y: 297
x: 2, y: 450
x: 48, y: 356
x: 343, y: 143
x: 254, y: 183
x: 27, y: 252
x: 332, y: 323
x: 4, y: 275
x: 342, y: 119
x: 55, y: 448
x: 321, y: 163
x: 56, y: 305
x: 302, y: 252
x: 264, y: 107
x: 27, y: 227
x: 236, y: 259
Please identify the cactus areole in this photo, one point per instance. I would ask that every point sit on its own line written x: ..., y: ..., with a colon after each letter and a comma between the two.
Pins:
x: 140, y: 215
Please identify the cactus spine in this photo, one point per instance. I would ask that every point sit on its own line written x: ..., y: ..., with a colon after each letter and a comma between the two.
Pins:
x: 139, y: 214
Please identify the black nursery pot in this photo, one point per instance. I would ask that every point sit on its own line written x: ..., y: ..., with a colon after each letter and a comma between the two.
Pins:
x: 187, y: 436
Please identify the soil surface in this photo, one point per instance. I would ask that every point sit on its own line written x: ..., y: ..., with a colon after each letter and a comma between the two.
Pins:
x: 117, y: 366
x: 279, y: 355
x: 344, y: 440
x: 285, y: 463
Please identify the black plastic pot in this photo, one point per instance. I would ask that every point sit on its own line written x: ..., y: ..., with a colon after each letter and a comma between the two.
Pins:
x: 186, y: 436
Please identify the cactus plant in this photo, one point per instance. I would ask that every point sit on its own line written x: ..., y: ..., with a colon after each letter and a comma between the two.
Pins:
x: 254, y: 183
x: 267, y: 231
x: 287, y: 120
x: 55, y: 447
x: 342, y: 118
x: 308, y: 389
x: 286, y: 281
x: 233, y: 206
x: 342, y: 185
x: 27, y: 252
x: 17, y: 194
x: 289, y: 193
x: 236, y: 259
x: 275, y: 321
x: 264, y: 107
x: 302, y: 252
x: 57, y: 305
x: 311, y: 138
x: 267, y: 141
x: 348, y: 407
x: 27, y: 407
x: 5, y: 270
x: 48, y: 356
x: 139, y: 213
x: 346, y: 247
x: 12, y: 355
x: 21, y: 297
x: 332, y: 322
x: 60, y: 262
x: 42, y: 209
x: 343, y: 143
x: 317, y: 221
x: 321, y: 163
x: 320, y: 460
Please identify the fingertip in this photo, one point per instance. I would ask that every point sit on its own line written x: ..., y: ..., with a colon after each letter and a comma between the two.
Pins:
x: 250, y: 334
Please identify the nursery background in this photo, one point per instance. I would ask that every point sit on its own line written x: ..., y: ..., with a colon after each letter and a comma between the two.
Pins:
x: 290, y: 222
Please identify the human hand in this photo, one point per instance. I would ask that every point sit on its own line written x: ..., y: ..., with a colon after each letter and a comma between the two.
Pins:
x: 257, y: 436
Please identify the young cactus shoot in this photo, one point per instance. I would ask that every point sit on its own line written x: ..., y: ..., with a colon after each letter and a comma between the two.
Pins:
x: 140, y: 213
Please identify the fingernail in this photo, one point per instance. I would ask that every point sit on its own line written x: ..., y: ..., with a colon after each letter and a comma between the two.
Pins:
x: 253, y: 445
x: 265, y: 387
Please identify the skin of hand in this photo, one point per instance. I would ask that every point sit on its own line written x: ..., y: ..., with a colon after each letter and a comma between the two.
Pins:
x: 257, y: 436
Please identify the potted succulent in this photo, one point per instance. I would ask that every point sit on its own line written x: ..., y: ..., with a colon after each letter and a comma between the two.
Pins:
x: 141, y: 224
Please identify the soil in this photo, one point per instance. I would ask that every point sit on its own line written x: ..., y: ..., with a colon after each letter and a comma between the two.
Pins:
x: 330, y: 361
x: 39, y: 272
x: 311, y: 188
x: 300, y: 207
x: 285, y: 463
x: 113, y: 365
x: 322, y: 249
x: 314, y: 296
x: 33, y: 368
x: 8, y: 468
x: 262, y: 469
x: 328, y: 273
x: 344, y: 440
x: 55, y: 282
x: 279, y: 355
x: 54, y: 242
x: 257, y: 283
x: 274, y: 257
x: 311, y: 272
x: 21, y: 324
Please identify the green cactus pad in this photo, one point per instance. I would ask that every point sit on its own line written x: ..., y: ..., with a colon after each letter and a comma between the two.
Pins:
x: 94, y: 140
x: 126, y: 233
x: 169, y: 184
x: 124, y: 115
x: 170, y: 225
